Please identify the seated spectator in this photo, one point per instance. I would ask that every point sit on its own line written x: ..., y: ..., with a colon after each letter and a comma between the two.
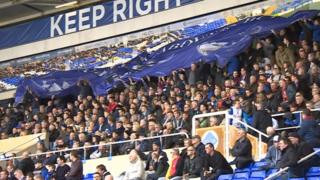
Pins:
x: 103, y: 172
x: 273, y: 154
x: 158, y: 167
x: 51, y: 172
x: 289, y: 158
x: 97, y: 176
x: 18, y: 174
x: 100, y: 152
x: 214, y: 164
x: 62, y: 168
x: 242, y: 150
x: 4, y: 175
x: 156, y: 148
x: 136, y: 169
x: 76, y: 170
x: 175, y: 170
x: 192, y: 165
x: 198, y: 145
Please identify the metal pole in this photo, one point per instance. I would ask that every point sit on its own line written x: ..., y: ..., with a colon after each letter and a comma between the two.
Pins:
x: 84, y: 153
x: 260, y: 147
x: 227, y: 134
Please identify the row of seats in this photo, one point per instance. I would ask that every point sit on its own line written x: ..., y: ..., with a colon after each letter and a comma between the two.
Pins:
x: 196, y: 30
x: 291, y: 5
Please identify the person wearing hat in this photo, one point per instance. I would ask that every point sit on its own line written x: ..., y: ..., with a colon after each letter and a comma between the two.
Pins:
x: 273, y: 154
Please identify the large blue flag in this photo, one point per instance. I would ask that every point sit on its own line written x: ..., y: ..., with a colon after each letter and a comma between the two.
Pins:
x: 219, y: 45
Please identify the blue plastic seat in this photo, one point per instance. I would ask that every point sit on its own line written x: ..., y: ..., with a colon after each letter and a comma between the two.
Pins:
x: 241, y: 176
x: 313, y: 178
x: 313, y: 171
x: 258, y: 174
x: 296, y: 179
x: 225, y: 177
x: 257, y: 165
x: 246, y: 169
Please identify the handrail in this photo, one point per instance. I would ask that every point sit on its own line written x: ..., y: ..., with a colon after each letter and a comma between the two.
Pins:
x: 97, y: 145
x: 12, y: 149
x: 276, y: 174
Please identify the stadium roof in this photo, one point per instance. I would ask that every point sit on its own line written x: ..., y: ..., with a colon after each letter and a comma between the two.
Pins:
x: 15, y: 11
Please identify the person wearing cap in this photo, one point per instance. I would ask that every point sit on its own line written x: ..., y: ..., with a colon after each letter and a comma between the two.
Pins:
x: 156, y: 148
x: 242, y: 150
x: 273, y: 154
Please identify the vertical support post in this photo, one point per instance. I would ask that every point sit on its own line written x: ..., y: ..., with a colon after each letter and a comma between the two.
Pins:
x: 227, y: 134
x: 260, y: 147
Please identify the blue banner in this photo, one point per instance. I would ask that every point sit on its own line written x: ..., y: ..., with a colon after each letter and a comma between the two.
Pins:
x: 220, y: 45
x: 82, y: 19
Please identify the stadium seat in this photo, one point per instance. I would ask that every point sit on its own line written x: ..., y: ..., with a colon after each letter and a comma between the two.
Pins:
x: 257, y: 165
x: 313, y: 178
x: 296, y: 179
x: 247, y: 169
x: 241, y: 176
x: 225, y: 177
x: 258, y: 174
x: 313, y: 171
x: 88, y: 176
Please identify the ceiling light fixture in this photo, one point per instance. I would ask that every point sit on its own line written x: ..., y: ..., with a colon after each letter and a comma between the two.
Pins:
x: 66, y: 4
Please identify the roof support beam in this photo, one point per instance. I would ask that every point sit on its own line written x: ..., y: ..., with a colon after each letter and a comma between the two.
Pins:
x: 12, y: 3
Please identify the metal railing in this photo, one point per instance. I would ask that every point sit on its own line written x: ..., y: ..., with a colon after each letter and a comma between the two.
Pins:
x: 84, y: 148
x: 281, y: 171
x: 227, y: 134
x: 38, y: 138
x: 295, y: 112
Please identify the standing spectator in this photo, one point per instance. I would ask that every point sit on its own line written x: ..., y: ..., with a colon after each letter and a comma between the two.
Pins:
x: 285, y: 55
x: 261, y: 118
x: 62, y: 168
x: 193, y: 74
x: 308, y: 129
x: 26, y: 165
x: 242, y: 150
x: 215, y: 164
x: 76, y: 170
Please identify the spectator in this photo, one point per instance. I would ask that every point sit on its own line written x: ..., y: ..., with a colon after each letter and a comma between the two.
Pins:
x: 62, y: 168
x: 18, y: 174
x: 76, y: 170
x: 308, y: 129
x: 158, y: 166
x: 136, y: 169
x: 103, y: 172
x: 100, y: 152
x: 214, y: 163
x: 51, y: 172
x: 192, y: 165
x: 26, y: 165
x: 288, y: 158
x: 242, y: 150
x: 156, y: 148
x: 261, y: 118
x: 175, y: 170
x: 198, y: 145
x: 273, y: 154
x: 97, y: 176
x: 4, y: 175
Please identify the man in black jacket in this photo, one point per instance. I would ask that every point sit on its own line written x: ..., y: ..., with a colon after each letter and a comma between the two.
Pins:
x: 242, y: 150
x: 26, y: 165
x: 261, y: 118
x: 198, y: 145
x: 288, y: 158
x: 214, y: 164
x: 156, y: 148
x: 192, y: 165
x: 62, y: 168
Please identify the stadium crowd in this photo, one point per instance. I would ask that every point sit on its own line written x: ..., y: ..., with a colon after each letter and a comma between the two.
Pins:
x: 279, y: 73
